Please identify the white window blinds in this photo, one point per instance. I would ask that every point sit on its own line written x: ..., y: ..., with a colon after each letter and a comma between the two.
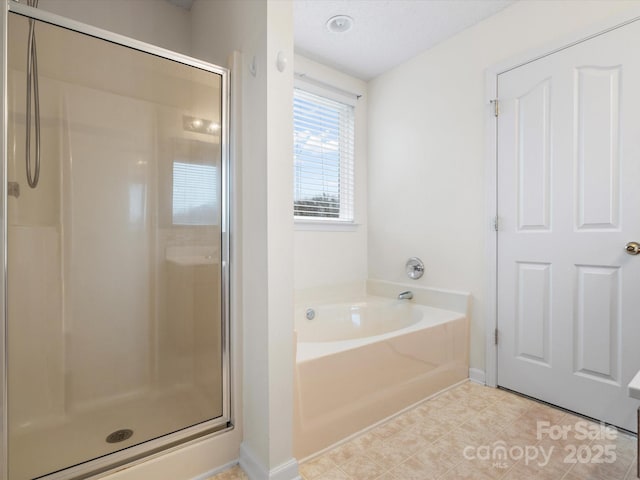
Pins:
x: 323, y: 132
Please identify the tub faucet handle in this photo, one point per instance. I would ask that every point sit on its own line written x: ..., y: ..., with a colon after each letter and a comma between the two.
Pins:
x: 414, y: 268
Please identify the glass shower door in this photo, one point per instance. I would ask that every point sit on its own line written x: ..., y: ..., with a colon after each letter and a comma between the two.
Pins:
x: 115, y: 306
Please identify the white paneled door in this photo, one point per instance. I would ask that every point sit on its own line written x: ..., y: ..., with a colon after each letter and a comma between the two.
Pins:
x: 568, y: 203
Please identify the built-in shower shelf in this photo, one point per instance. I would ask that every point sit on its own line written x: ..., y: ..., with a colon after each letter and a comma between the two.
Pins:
x: 192, y: 256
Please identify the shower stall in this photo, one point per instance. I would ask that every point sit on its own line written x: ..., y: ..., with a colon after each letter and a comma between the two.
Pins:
x: 115, y: 285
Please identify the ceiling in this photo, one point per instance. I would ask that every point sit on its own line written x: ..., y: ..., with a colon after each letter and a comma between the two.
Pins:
x: 385, y: 32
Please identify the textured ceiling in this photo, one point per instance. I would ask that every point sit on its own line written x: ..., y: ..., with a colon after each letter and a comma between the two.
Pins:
x: 385, y: 32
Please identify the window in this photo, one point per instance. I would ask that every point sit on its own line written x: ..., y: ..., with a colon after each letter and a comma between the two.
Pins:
x: 194, y: 194
x: 323, y: 157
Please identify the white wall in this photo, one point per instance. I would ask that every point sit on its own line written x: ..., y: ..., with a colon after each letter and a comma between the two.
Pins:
x: 242, y: 27
x: 427, y: 121
x: 220, y: 27
x: 329, y: 257
x: 259, y: 30
x: 280, y: 232
x: 153, y: 21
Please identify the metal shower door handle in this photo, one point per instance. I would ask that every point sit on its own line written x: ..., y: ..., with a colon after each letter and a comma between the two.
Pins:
x: 632, y: 248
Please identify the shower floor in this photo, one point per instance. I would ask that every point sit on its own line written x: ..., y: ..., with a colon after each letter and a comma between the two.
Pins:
x: 43, y: 449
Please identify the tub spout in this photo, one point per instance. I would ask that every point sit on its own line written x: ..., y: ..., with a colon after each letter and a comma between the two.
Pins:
x: 408, y: 295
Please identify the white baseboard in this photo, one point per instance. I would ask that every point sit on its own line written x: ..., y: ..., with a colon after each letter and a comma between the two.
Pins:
x: 477, y: 376
x: 255, y: 470
x: 286, y: 471
x: 252, y: 467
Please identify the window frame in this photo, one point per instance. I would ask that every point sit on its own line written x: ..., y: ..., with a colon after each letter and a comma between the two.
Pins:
x: 312, y: 223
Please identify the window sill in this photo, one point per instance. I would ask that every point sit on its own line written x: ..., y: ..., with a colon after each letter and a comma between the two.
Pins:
x: 324, y: 225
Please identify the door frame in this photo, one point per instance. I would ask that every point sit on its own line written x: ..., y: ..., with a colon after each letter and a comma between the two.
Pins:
x: 491, y: 164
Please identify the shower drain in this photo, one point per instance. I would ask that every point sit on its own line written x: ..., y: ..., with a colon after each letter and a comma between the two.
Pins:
x: 119, y: 436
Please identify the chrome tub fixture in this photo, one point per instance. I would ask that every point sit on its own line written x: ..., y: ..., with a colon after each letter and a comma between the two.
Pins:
x: 414, y: 268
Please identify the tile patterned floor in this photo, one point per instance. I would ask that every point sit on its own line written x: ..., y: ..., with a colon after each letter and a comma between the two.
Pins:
x: 475, y: 432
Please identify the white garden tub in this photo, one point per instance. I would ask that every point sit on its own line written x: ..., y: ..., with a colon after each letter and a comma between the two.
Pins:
x: 360, y: 362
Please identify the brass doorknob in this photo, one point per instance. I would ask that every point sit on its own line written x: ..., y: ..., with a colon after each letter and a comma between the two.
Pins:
x: 632, y: 248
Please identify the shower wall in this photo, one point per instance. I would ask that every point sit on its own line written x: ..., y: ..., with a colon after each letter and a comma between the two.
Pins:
x: 121, y: 142
x: 113, y: 300
x: 37, y: 286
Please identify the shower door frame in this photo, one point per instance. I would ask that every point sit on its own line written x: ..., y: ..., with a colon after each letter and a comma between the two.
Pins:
x: 146, y: 450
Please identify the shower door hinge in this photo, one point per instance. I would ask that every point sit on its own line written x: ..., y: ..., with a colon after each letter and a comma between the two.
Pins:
x: 496, y: 107
x: 495, y: 336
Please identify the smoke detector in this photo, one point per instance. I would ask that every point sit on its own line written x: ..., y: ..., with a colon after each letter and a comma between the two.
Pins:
x: 340, y: 24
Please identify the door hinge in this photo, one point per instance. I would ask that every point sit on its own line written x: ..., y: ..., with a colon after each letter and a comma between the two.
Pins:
x: 496, y: 223
x: 495, y: 336
x: 496, y: 107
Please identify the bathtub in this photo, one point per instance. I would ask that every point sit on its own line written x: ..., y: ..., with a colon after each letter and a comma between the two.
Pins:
x: 358, y: 363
